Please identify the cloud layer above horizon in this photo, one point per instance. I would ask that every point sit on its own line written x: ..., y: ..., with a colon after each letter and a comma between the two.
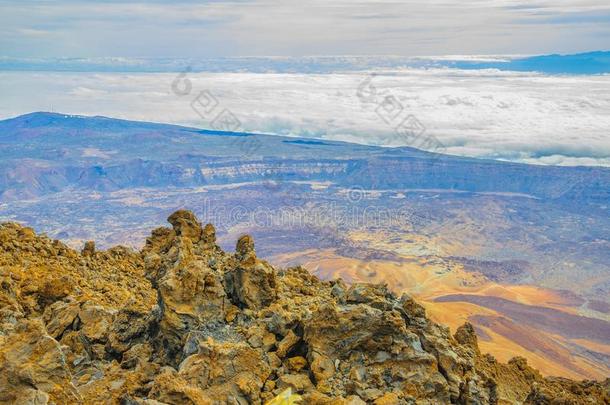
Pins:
x: 213, y: 28
x: 522, y: 117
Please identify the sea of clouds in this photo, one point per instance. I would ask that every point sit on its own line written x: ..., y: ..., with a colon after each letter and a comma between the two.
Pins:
x: 515, y: 116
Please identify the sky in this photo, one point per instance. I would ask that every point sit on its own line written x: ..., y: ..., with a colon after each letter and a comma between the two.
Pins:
x: 217, y: 28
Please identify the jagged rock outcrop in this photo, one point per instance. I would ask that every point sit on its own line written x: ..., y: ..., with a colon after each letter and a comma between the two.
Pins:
x: 183, y: 322
x: 252, y: 283
x: 190, y: 292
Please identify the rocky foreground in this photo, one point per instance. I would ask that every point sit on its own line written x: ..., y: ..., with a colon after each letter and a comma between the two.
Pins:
x: 183, y: 322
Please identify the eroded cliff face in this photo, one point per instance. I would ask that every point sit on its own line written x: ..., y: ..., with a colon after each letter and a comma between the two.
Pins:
x: 183, y: 322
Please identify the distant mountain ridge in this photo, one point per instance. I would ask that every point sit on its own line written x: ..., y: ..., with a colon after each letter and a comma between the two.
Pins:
x: 108, y: 154
x: 596, y: 62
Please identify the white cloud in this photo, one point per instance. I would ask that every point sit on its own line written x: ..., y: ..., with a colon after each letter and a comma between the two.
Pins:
x: 31, y: 32
x: 486, y: 113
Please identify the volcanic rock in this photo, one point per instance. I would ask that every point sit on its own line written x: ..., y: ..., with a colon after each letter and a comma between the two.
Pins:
x: 252, y: 283
x: 182, y: 322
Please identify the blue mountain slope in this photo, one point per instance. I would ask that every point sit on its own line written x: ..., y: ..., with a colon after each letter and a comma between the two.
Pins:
x: 583, y: 63
x: 44, y: 150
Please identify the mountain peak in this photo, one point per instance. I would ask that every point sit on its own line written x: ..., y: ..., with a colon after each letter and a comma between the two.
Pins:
x: 46, y: 120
